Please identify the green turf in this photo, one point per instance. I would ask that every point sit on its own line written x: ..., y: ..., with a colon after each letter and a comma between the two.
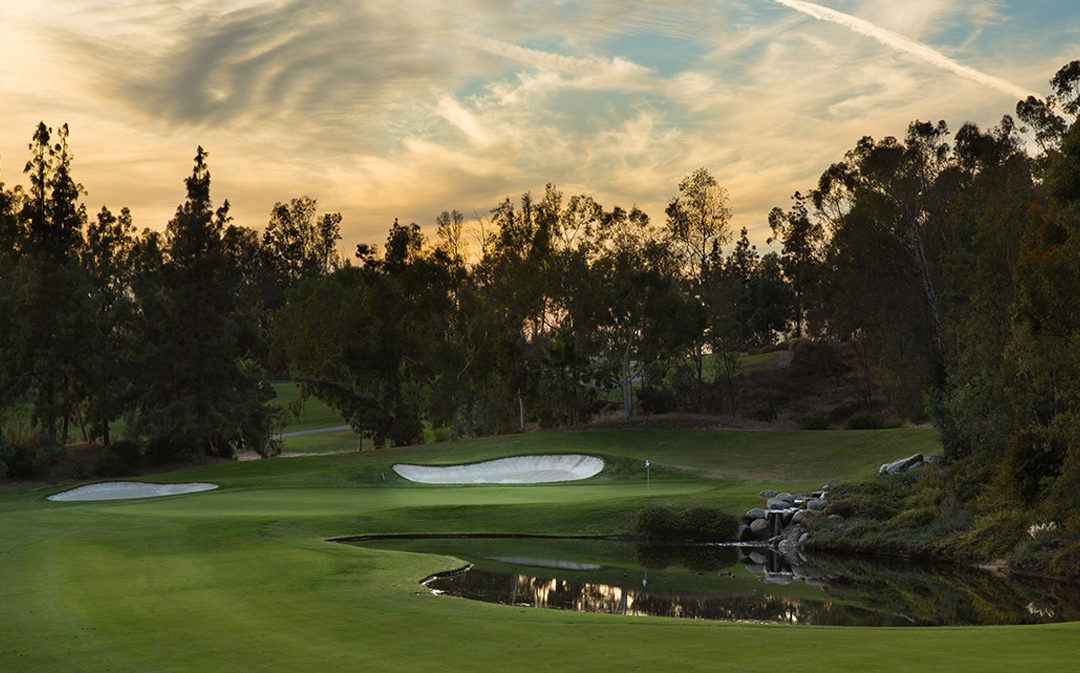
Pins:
x: 312, y: 413
x: 243, y: 579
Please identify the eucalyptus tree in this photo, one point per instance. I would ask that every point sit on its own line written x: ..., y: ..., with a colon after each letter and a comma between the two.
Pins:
x: 886, y: 259
x: 1041, y: 360
x: 641, y: 307
x: 300, y: 243
x: 801, y: 235
x: 698, y: 225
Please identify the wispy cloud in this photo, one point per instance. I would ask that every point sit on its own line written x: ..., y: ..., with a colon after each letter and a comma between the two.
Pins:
x: 403, y: 108
x: 905, y: 45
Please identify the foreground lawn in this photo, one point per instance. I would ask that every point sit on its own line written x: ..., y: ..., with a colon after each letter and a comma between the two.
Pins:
x: 243, y: 579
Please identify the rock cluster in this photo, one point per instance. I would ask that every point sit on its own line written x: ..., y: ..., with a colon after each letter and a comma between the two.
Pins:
x: 780, y: 521
x: 909, y: 463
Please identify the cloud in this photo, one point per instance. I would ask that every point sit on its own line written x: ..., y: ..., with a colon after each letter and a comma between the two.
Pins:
x: 404, y: 108
x: 905, y: 45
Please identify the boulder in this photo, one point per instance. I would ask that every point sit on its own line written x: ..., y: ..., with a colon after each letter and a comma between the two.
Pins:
x: 803, y: 539
x: 760, y: 528
x: 759, y: 558
x: 936, y: 459
x: 804, y: 515
x: 776, y: 504
x: 834, y: 517
x: 768, y: 493
x: 901, y: 465
x: 788, y: 497
x: 816, y: 504
x: 755, y: 513
x: 830, y: 484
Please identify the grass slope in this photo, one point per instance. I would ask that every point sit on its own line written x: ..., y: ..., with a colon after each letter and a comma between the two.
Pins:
x: 311, y: 414
x: 242, y: 579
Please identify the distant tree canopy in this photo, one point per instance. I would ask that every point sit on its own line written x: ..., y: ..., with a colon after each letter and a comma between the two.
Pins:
x: 949, y: 262
x: 165, y: 331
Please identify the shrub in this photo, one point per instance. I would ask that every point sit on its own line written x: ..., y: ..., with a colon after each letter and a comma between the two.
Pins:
x: 27, y: 461
x: 913, y: 518
x: 814, y: 423
x: 703, y: 524
x: 706, y: 524
x: 763, y: 412
x: 441, y: 435
x: 120, y: 458
x: 1067, y: 561
x: 864, y: 421
x: 657, y: 523
x: 161, y: 450
x: 655, y: 400
x: 994, y: 536
x: 871, y: 421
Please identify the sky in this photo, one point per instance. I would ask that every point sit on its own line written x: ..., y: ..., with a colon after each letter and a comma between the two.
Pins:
x: 405, y: 108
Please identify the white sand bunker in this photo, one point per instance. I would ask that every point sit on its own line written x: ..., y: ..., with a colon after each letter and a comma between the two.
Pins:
x: 128, y: 490
x: 516, y: 470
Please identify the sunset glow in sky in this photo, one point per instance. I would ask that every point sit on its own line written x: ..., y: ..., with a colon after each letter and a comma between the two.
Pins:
x: 405, y: 108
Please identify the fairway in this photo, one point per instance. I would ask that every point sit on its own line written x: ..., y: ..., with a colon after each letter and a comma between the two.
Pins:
x: 242, y: 578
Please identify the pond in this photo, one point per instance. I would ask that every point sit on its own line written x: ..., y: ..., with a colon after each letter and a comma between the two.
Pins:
x: 732, y: 583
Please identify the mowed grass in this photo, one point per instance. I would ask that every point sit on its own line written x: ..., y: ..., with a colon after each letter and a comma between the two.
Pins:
x: 312, y: 413
x: 244, y: 579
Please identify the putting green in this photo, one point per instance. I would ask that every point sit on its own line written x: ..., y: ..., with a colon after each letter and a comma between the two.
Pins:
x: 242, y: 578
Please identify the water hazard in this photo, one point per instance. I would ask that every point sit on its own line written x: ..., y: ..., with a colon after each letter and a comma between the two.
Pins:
x: 736, y: 584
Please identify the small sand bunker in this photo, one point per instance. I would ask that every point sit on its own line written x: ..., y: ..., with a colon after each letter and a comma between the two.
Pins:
x: 516, y: 470
x: 128, y: 490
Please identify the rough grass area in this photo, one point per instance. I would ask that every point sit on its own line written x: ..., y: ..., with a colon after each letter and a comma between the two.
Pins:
x: 243, y: 579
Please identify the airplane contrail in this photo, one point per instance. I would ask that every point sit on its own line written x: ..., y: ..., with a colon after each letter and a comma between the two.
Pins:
x: 906, y: 45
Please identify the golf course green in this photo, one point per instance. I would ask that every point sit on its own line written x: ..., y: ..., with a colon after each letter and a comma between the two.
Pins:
x: 243, y: 578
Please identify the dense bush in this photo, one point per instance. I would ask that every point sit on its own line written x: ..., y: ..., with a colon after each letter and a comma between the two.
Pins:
x: 764, y: 413
x: 871, y: 421
x: 657, y: 523
x: 994, y: 536
x: 27, y: 461
x: 814, y: 423
x: 654, y: 400
x: 706, y: 524
x: 120, y: 458
x: 701, y: 524
x: 1067, y: 562
x: 913, y: 518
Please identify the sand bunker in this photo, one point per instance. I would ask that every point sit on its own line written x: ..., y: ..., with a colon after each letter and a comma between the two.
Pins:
x: 516, y: 470
x: 127, y: 490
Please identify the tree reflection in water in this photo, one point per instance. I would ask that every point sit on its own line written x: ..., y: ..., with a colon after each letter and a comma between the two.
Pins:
x: 722, y: 583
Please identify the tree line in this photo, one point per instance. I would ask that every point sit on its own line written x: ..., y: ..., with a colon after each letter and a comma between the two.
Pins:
x: 165, y: 331
x: 950, y: 262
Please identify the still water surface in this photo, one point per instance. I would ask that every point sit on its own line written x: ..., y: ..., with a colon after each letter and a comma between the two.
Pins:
x: 736, y: 584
